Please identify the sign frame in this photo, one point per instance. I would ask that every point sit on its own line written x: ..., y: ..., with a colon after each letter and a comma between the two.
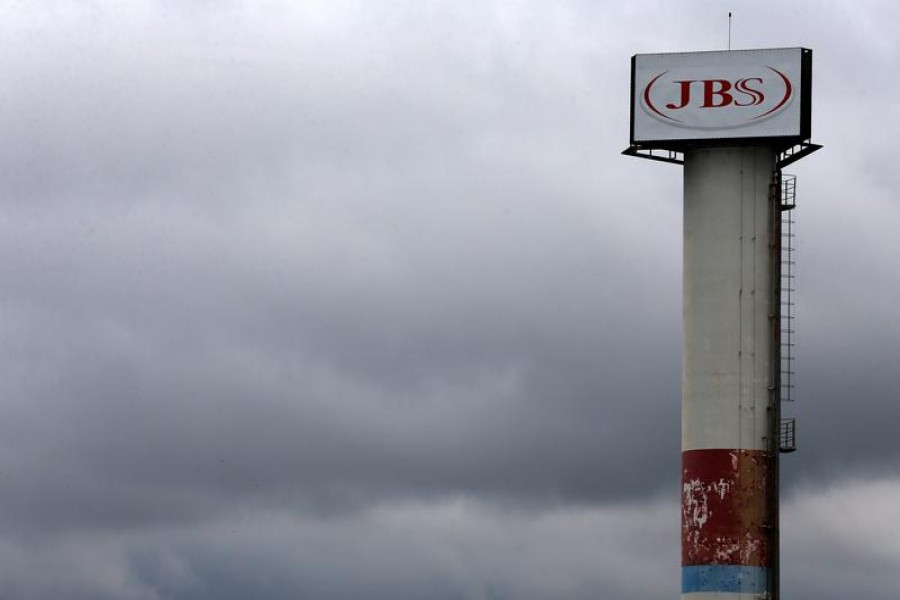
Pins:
x: 800, y: 119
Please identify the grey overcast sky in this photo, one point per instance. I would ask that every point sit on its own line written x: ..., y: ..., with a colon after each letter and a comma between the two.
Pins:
x: 350, y: 300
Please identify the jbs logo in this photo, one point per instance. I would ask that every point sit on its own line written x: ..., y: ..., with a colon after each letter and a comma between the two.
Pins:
x: 717, y: 101
x: 720, y: 92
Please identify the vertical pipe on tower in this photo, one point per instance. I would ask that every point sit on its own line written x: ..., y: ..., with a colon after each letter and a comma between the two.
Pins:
x: 729, y: 402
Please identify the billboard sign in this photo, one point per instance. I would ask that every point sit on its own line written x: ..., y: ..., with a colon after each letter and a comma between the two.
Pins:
x: 720, y: 97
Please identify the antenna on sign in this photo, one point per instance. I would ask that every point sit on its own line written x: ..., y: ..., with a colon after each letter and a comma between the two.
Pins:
x: 729, y: 31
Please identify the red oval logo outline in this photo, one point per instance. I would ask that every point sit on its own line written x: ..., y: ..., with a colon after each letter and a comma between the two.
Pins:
x: 659, y: 114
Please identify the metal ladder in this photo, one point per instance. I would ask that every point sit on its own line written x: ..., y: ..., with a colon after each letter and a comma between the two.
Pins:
x: 788, y: 426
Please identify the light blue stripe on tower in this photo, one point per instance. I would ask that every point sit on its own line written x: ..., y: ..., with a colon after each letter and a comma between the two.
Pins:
x: 724, y: 578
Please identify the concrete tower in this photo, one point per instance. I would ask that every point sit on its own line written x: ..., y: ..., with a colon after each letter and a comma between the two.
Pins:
x: 729, y: 384
x: 733, y: 119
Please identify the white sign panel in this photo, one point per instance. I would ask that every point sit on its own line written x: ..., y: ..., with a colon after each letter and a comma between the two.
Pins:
x: 728, y: 95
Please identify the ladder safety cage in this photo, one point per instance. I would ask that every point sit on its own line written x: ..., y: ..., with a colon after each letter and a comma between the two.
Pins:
x: 788, y: 203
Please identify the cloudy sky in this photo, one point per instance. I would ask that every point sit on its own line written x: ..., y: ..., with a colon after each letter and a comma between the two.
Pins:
x: 341, y: 300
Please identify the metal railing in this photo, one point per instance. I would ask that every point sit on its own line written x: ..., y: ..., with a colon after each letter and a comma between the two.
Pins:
x: 787, y: 435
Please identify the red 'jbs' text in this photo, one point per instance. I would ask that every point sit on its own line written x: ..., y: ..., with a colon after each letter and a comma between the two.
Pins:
x: 719, y: 93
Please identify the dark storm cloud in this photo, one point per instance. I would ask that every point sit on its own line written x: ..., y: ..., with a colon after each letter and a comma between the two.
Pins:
x: 269, y: 270
x: 285, y: 382
x: 374, y: 322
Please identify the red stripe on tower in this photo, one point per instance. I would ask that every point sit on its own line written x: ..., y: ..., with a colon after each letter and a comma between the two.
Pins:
x: 724, y: 507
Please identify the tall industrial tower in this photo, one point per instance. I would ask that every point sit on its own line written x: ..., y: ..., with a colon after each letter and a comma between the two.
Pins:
x: 733, y: 119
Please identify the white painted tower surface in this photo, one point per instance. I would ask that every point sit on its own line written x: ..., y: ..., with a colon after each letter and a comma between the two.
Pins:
x: 733, y: 119
x: 730, y: 312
